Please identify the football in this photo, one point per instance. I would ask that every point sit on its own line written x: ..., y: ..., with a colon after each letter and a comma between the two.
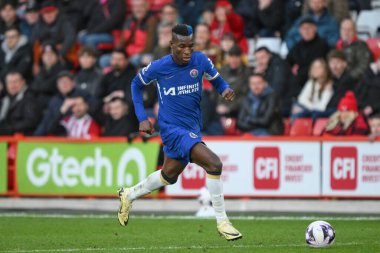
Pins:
x: 320, y: 234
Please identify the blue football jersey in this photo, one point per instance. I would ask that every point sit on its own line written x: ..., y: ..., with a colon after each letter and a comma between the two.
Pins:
x: 179, y: 89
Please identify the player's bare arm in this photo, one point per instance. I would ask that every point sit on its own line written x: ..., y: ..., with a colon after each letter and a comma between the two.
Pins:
x: 228, y: 94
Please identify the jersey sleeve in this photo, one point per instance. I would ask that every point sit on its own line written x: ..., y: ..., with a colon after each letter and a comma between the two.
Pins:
x: 212, y: 74
x: 148, y: 74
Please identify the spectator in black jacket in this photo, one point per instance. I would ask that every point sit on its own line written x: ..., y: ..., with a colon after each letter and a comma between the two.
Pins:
x: 303, y: 53
x: 15, y: 54
x: 19, y: 111
x: 89, y: 76
x: 54, y: 28
x: 260, y: 112
x: 119, y: 79
x: 8, y: 16
x: 66, y: 90
x: 121, y: 120
x: 343, y: 81
x: 45, y: 82
x: 369, y: 90
x: 275, y: 70
x: 102, y: 18
x: 268, y: 18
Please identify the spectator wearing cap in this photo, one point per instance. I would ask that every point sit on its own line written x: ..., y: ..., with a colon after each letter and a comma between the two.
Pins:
x: 8, y: 16
x: 236, y: 73
x: 54, y: 28
x: 347, y: 120
x: 103, y: 16
x: 343, y: 81
x: 227, y: 21
x: 78, y: 124
x: 45, y: 82
x: 304, y: 52
x: 357, y: 53
x: 327, y: 25
x: 276, y: 71
x: 369, y: 90
x: 15, y: 54
x: 30, y: 20
x: 260, y: 112
x: 89, y: 76
x: 66, y: 90
x: 19, y: 111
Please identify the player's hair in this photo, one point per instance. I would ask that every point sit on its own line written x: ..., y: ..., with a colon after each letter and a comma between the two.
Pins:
x: 180, y: 31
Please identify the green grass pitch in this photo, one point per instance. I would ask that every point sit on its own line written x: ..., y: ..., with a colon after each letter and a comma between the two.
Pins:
x: 79, y: 233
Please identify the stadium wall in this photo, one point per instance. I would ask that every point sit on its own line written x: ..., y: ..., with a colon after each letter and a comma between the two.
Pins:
x: 273, y: 167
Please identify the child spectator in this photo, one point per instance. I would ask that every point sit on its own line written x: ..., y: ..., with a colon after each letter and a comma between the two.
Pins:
x: 89, y: 76
x: 347, y: 120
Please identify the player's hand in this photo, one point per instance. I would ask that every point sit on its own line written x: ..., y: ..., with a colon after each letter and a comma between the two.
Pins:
x: 146, y: 127
x: 228, y: 94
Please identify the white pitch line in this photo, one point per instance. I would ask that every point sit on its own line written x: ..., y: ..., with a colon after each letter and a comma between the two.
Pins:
x: 189, y: 217
x: 167, y: 248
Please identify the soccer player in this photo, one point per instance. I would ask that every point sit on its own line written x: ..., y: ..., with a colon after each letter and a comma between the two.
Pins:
x: 179, y: 83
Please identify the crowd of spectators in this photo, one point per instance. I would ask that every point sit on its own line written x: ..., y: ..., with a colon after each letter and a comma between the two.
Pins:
x: 66, y: 66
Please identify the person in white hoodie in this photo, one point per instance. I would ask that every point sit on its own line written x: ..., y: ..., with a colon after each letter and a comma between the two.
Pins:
x: 15, y: 54
x: 317, y: 92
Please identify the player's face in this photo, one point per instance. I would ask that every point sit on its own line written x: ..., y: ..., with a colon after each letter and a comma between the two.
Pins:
x: 182, y: 50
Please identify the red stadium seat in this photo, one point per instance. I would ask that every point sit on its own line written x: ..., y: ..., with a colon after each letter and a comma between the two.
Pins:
x: 374, y: 46
x: 230, y: 126
x: 319, y: 126
x: 286, y: 126
x: 301, y: 127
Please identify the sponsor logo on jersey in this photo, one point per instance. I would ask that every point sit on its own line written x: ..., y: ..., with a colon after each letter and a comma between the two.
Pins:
x: 344, y: 168
x: 266, y: 168
x: 194, y: 73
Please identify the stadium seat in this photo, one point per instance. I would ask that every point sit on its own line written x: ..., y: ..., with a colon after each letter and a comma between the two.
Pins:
x: 368, y: 23
x: 301, y: 127
x: 319, y: 126
x: 374, y: 46
x: 230, y: 126
x: 273, y: 44
x: 286, y: 126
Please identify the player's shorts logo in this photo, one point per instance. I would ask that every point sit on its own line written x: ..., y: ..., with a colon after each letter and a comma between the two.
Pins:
x: 194, y: 73
x: 193, y: 135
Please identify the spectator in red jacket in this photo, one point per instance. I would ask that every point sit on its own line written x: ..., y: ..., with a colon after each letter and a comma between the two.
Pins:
x: 347, y: 120
x: 77, y: 125
x: 227, y: 21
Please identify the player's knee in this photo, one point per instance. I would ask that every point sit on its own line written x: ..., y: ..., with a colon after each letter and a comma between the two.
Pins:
x: 215, y: 167
x: 168, y: 179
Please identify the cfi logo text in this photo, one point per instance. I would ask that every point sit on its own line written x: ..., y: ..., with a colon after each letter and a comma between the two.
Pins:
x: 194, y: 73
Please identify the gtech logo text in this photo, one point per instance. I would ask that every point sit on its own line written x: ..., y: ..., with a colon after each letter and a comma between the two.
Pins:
x: 44, y: 166
x: 344, y: 168
x: 266, y: 168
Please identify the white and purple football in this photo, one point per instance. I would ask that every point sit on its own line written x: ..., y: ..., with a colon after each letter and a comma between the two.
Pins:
x: 320, y: 234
